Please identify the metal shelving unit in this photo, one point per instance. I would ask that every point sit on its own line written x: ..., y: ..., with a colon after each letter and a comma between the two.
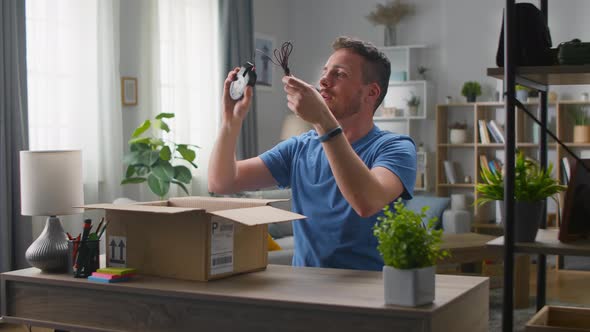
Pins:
x: 538, y: 78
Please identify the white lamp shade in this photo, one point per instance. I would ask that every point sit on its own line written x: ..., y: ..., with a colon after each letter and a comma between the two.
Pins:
x: 51, y: 182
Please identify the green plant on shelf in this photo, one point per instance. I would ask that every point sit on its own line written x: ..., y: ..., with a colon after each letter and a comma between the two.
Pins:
x: 413, y: 100
x: 471, y: 90
x: 579, y: 115
x: 404, y: 241
x: 531, y: 182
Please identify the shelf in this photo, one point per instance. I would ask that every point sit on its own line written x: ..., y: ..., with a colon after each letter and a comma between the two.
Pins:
x: 457, y: 185
x: 462, y: 145
x: 406, y: 83
x: 400, y: 47
x: 548, y: 244
x: 578, y: 145
x: 397, y: 118
x: 549, y: 75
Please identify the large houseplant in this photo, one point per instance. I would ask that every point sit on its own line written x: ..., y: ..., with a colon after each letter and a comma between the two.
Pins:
x: 532, y: 186
x: 410, y: 251
x: 155, y: 160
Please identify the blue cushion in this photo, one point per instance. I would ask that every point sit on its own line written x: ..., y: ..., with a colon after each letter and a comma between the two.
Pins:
x: 437, y: 206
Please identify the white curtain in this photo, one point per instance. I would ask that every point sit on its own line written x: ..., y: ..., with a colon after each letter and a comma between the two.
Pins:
x: 73, y: 87
x: 189, y: 84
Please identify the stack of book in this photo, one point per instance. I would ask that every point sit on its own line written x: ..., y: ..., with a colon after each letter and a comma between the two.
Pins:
x: 112, y: 274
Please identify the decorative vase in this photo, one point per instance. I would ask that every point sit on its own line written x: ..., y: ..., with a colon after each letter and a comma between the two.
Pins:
x: 457, y: 219
x: 522, y: 95
x: 49, y: 252
x: 457, y: 136
x: 411, y: 287
x: 389, y: 38
x: 581, y: 134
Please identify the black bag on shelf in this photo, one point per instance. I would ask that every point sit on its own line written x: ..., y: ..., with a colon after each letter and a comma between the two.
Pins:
x: 573, y: 53
x: 533, y: 40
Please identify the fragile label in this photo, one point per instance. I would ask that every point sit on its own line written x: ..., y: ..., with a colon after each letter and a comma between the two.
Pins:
x: 222, y: 246
x: 117, y: 247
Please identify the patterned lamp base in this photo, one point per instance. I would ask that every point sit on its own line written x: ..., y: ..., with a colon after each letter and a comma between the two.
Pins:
x: 50, y: 251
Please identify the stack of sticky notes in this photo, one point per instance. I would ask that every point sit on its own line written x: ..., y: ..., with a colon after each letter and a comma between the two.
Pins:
x: 112, y: 274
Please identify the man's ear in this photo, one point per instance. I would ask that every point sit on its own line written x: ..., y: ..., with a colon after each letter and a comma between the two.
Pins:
x: 374, y: 92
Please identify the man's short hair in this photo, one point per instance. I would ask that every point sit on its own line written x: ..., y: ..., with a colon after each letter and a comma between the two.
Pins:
x: 377, y: 66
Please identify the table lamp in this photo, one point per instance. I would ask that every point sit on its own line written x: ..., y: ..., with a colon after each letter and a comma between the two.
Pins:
x: 51, y: 185
x: 294, y: 126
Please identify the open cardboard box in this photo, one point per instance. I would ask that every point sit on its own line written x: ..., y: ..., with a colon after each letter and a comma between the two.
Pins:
x: 191, y: 238
x: 560, y: 319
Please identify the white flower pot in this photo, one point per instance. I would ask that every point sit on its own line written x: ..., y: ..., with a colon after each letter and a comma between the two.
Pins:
x: 458, y: 136
x: 410, y: 288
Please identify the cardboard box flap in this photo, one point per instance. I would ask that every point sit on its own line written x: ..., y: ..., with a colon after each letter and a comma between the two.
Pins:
x: 258, y: 215
x: 220, y: 203
x: 141, y: 208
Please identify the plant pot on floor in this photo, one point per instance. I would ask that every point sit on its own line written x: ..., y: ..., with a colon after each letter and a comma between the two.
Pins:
x: 411, y: 287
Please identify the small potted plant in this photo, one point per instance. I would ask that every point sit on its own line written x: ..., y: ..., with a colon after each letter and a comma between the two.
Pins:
x: 410, y: 251
x: 532, y: 187
x: 581, y: 124
x: 422, y: 72
x: 522, y: 93
x: 471, y: 90
x: 413, y: 102
x: 154, y: 160
x: 458, y: 133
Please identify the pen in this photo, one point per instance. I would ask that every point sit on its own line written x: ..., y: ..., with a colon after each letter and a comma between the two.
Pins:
x: 99, y: 224
x: 103, y: 229
x: 86, y: 230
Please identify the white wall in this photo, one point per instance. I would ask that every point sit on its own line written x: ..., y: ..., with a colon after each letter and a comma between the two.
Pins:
x: 462, y: 36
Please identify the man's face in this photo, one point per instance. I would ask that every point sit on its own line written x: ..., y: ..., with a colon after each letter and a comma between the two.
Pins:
x: 341, y: 83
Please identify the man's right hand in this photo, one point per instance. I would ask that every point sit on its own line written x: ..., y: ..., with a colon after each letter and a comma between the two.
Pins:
x: 234, y: 111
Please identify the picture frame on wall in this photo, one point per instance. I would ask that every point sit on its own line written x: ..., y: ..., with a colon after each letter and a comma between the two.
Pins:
x: 128, y: 91
x: 264, y: 45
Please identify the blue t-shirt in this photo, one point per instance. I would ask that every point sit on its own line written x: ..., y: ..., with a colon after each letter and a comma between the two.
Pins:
x: 334, y: 235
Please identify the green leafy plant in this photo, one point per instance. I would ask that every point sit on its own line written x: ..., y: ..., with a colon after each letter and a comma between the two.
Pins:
x: 422, y: 72
x: 519, y: 87
x: 404, y: 242
x: 153, y: 160
x: 413, y: 100
x: 579, y: 115
x: 531, y: 182
x: 471, y: 88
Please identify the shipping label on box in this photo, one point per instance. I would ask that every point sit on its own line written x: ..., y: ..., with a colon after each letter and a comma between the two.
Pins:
x: 222, y: 246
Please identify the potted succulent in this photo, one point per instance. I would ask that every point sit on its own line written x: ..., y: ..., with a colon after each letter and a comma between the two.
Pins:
x: 154, y: 160
x: 471, y: 90
x: 532, y: 187
x: 458, y: 133
x: 389, y: 15
x: 413, y: 102
x: 410, y: 251
x: 581, y: 124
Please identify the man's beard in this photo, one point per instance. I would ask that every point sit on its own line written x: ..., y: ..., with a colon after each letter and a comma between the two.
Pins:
x: 350, y: 109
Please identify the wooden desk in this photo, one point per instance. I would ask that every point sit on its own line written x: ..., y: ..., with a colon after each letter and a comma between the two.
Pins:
x: 282, y: 298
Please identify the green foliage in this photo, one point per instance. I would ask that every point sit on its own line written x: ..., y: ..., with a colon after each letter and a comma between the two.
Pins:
x: 519, y: 87
x: 404, y: 242
x: 413, y: 100
x: 151, y: 159
x: 471, y: 88
x: 531, y: 182
x: 579, y: 115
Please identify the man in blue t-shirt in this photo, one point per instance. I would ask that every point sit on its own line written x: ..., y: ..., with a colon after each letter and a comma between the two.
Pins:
x: 342, y: 173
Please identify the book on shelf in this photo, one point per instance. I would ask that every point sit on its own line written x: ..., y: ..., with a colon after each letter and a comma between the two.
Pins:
x: 565, y: 163
x: 484, y: 137
x: 496, y: 131
x: 483, y: 160
x: 450, y: 172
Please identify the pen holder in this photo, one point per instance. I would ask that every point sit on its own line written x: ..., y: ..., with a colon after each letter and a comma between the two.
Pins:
x: 83, y: 257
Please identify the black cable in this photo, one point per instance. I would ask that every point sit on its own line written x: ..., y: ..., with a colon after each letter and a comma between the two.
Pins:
x: 281, y: 56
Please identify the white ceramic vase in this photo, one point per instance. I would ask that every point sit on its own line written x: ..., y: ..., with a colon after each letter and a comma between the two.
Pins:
x: 458, y: 136
x: 457, y: 219
x: 411, y: 288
